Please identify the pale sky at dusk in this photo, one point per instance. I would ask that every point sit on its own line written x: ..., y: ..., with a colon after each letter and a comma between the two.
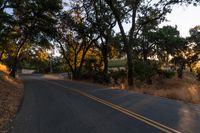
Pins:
x: 185, y: 18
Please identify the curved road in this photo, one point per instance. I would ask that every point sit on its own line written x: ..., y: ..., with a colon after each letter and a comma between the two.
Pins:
x: 57, y: 106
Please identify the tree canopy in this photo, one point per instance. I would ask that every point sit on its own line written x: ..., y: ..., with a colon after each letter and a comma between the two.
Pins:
x: 84, y: 33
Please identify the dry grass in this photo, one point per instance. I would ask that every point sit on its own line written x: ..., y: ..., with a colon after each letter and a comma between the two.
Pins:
x: 186, y: 89
x: 11, y: 92
x: 4, y: 68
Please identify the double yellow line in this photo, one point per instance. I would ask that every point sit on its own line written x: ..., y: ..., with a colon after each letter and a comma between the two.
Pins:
x: 123, y: 110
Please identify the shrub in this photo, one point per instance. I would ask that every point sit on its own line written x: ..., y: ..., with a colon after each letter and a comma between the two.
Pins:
x: 180, y: 73
x: 95, y: 76
x: 117, y: 75
x: 101, y: 78
x: 198, y: 73
x: 85, y: 75
x: 166, y: 73
x: 105, y: 78
x: 145, y: 70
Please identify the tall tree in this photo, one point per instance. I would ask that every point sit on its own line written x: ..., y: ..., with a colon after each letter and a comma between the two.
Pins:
x: 160, y: 42
x: 72, y: 39
x: 32, y: 22
x: 195, y: 38
x: 134, y: 9
x: 102, y: 22
x: 193, y: 46
x: 5, y: 21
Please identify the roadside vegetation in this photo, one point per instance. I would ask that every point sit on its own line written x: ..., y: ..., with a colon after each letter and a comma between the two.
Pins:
x: 11, y: 93
x: 186, y: 89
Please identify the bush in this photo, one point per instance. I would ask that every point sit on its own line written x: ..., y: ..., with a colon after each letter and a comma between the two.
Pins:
x: 117, y: 75
x: 166, y: 73
x: 105, y: 78
x: 198, y: 73
x: 95, y: 76
x: 145, y: 70
x: 180, y: 73
x: 101, y: 78
x: 85, y: 75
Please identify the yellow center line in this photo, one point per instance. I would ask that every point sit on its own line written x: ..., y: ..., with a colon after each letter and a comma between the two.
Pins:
x: 123, y: 110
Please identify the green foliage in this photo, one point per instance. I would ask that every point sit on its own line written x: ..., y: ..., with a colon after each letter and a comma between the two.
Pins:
x: 57, y: 65
x: 87, y: 26
x: 166, y: 73
x: 95, y: 76
x: 195, y: 36
x: 117, y: 75
x: 145, y: 70
x: 27, y: 24
x: 179, y: 60
x: 143, y: 13
x: 117, y: 63
x: 90, y: 64
x: 101, y: 78
x: 195, y: 40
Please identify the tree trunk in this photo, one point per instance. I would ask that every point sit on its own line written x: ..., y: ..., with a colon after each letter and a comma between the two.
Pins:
x: 190, y: 67
x: 180, y: 71
x: 74, y: 75
x: 128, y: 49
x: 75, y: 66
x: 1, y: 55
x: 14, y: 65
x: 83, y: 57
x: 127, y: 41
x: 105, y: 58
x: 130, y: 65
x: 66, y: 59
x: 14, y: 68
x: 145, y: 54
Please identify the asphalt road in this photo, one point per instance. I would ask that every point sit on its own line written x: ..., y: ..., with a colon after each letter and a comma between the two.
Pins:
x: 57, y: 106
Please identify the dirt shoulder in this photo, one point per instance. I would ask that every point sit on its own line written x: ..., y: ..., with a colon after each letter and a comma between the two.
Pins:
x: 11, y: 94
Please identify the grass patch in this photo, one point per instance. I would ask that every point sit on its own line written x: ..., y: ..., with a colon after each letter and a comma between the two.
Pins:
x: 117, y: 63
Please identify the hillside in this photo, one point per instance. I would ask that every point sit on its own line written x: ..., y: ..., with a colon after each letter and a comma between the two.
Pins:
x: 11, y: 93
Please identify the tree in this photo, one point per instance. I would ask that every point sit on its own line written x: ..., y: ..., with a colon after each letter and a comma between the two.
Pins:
x: 73, y: 40
x: 5, y: 21
x: 166, y: 42
x: 194, y: 41
x: 125, y: 9
x: 35, y: 58
x: 93, y: 61
x: 32, y: 22
x: 102, y: 22
x: 145, y: 43
x: 189, y: 54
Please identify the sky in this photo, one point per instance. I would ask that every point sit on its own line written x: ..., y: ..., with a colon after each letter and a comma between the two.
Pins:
x: 184, y: 17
